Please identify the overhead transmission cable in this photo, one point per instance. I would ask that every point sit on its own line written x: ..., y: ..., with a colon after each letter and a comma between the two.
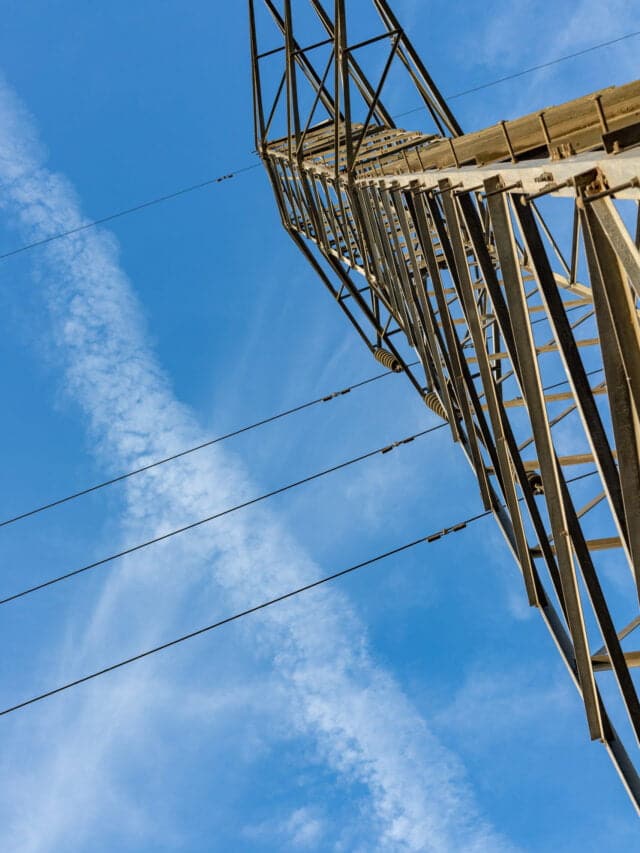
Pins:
x: 263, y: 606
x: 232, y: 174
x: 308, y: 587
x: 428, y: 540
x: 221, y: 438
x: 251, y: 502
x: 155, y: 464
x: 224, y: 512
x: 516, y: 74
x: 120, y: 213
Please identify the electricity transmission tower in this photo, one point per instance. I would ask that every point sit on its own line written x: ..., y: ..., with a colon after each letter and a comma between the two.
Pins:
x: 507, y: 260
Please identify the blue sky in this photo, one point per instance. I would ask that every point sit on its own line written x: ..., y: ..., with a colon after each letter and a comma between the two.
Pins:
x: 418, y: 706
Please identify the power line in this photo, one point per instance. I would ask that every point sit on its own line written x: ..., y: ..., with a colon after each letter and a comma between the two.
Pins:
x: 271, y: 419
x: 430, y: 539
x: 350, y: 570
x: 135, y: 548
x: 228, y: 511
x: 489, y: 84
x: 543, y: 65
x: 121, y: 477
x: 142, y: 206
x: 566, y: 381
x: 540, y: 67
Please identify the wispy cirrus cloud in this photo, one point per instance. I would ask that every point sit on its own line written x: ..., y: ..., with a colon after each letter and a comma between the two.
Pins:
x: 303, y: 829
x: 316, y: 654
x: 491, y: 700
x: 575, y: 26
x: 499, y: 44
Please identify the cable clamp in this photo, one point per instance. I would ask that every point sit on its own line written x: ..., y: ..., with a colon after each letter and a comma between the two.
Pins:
x: 446, y: 531
x: 336, y: 394
x: 398, y: 444
x: 407, y: 440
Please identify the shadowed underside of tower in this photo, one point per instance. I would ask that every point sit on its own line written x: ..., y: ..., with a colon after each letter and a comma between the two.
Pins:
x: 507, y: 259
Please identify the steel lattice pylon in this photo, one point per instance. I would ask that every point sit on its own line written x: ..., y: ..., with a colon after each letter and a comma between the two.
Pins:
x: 531, y: 352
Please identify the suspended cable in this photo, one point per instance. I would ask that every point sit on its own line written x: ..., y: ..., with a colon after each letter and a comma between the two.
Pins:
x: 271, y: 419
x: 566, y: 381
x: 203, y: 184
x: 263, y: 422
x: 430, y: 539
x: 263, y: 606
x: 142, y: 206
x: 193, y: 525
x: 248, y: 428
x: 525, y: 71
x: 581, y: 477
x: 121, y: 477
x: 543, y: 65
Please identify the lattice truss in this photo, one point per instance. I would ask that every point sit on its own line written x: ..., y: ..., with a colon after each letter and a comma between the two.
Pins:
x: 507, y: 260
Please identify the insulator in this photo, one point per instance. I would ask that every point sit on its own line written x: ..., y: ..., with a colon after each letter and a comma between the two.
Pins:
x: 433, y: 401
x: 387, y: 360
x: 535, y: 481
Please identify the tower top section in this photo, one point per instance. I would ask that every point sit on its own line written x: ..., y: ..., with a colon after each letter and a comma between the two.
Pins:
x: 312, y: 73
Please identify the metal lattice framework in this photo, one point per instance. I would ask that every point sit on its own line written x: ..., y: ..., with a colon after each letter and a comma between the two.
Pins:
x: 508, y: 260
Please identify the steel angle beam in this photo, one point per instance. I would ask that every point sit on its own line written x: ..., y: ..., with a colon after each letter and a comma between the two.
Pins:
x: 506, y: 260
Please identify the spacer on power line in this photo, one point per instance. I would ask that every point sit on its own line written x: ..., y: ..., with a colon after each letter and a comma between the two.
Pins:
x: 335, y: 395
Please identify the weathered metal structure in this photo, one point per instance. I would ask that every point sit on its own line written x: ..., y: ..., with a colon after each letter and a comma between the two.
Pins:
x: 507, y: 260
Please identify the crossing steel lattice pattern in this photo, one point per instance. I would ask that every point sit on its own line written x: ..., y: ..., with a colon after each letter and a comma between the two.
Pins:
x: 507, y: 259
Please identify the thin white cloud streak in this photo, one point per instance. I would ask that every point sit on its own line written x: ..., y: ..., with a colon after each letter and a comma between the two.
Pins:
x: 577, y: 26
x: 495, y: 45
x: 362, y: 724
x: 512, y: 702
x: 303, y: 829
